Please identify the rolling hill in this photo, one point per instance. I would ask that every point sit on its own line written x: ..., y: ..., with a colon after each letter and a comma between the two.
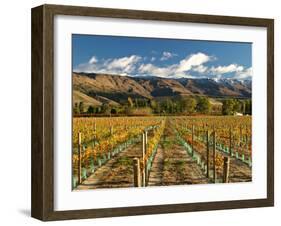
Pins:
x: 96, y: 89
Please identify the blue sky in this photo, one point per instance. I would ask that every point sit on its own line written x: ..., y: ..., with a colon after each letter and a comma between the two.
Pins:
x: 171, y: 58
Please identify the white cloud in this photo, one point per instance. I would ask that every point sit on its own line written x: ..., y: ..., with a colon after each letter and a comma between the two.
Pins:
x: 131, y: 65
x: 164, y: 72
x: 226, y: 69
x: 193, y: 60
x: 167, y: 55
x: 200, y: 69
x: 134, y: 65
x: 233, y: 71
x: 93, y: 60
x: 122, y: 66
x: 245, y: 74
x: 126, y: 64
x: 177, y: 70
x: 150, y: 69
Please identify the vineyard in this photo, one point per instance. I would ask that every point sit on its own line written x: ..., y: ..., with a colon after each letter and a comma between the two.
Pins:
x: 154, y: 151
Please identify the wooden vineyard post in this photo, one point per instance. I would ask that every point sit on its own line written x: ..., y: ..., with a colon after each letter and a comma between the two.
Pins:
x: 241, y: 142
x: 214, y: 157
x: 95, y: 126
x: 143, y: 159
x: 137, y: 182
x: 230, y: 141
x: 79, y: 158
x: 240, y: 137
x: 246, y: 146
x: 192, y: 140
x: 145, y: 168
x: 208, y: 153
x: 225, y: 169
x: 95, y: 132
x: 111, y: 130
x: 145, y: 139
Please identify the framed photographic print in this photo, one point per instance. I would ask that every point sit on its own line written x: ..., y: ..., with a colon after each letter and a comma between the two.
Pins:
x: 141, y: 112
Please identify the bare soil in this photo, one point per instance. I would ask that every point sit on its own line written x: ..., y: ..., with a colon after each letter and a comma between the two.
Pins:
x: 117, y: 172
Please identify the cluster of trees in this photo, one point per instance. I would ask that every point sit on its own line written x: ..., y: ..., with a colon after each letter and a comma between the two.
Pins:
x: 232, y: 106
x: 80, y: 108
x: 185, y: 105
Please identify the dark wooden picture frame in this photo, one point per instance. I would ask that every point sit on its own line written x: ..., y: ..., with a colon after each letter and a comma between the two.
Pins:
x: 43, y: 117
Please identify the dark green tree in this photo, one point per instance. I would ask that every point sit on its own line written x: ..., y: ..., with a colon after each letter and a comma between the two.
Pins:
x: 136, y: 103
x: 164, y: 107
x: 98, y: 110
x: 155, y: 106
x: 243, y: 107
x: 237, y: 107
x: 105, y: 108
x: 91, y: 110
x: 113, y: 111
x: 76, y: 109
x: 177, y: 107
x: 227, y: 107
x: 203, y: 105
x: 81, y: 107
x: 232, y: 106
x: 248, y: 107
x: 188, y: 105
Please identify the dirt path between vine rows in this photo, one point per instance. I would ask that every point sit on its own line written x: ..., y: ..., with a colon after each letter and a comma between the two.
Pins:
x: 156, y: 172
x: 172, y: 165
x: 116, y: 173
x: 239, y: 171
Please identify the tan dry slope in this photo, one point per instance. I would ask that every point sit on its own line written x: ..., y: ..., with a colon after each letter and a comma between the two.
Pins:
x: 118, y: 88
x: 101, y: 83
x: 81, y: 97
x: 90, y: 101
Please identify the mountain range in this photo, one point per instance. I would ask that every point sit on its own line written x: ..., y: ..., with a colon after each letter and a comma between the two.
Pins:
x: 96, y: 89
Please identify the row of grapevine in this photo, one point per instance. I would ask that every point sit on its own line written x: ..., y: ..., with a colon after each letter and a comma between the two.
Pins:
x: 233, y: 133
x: 96, y: 140
x: 95, y: 129
x: 210, y: 140
x: 150, y: 148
